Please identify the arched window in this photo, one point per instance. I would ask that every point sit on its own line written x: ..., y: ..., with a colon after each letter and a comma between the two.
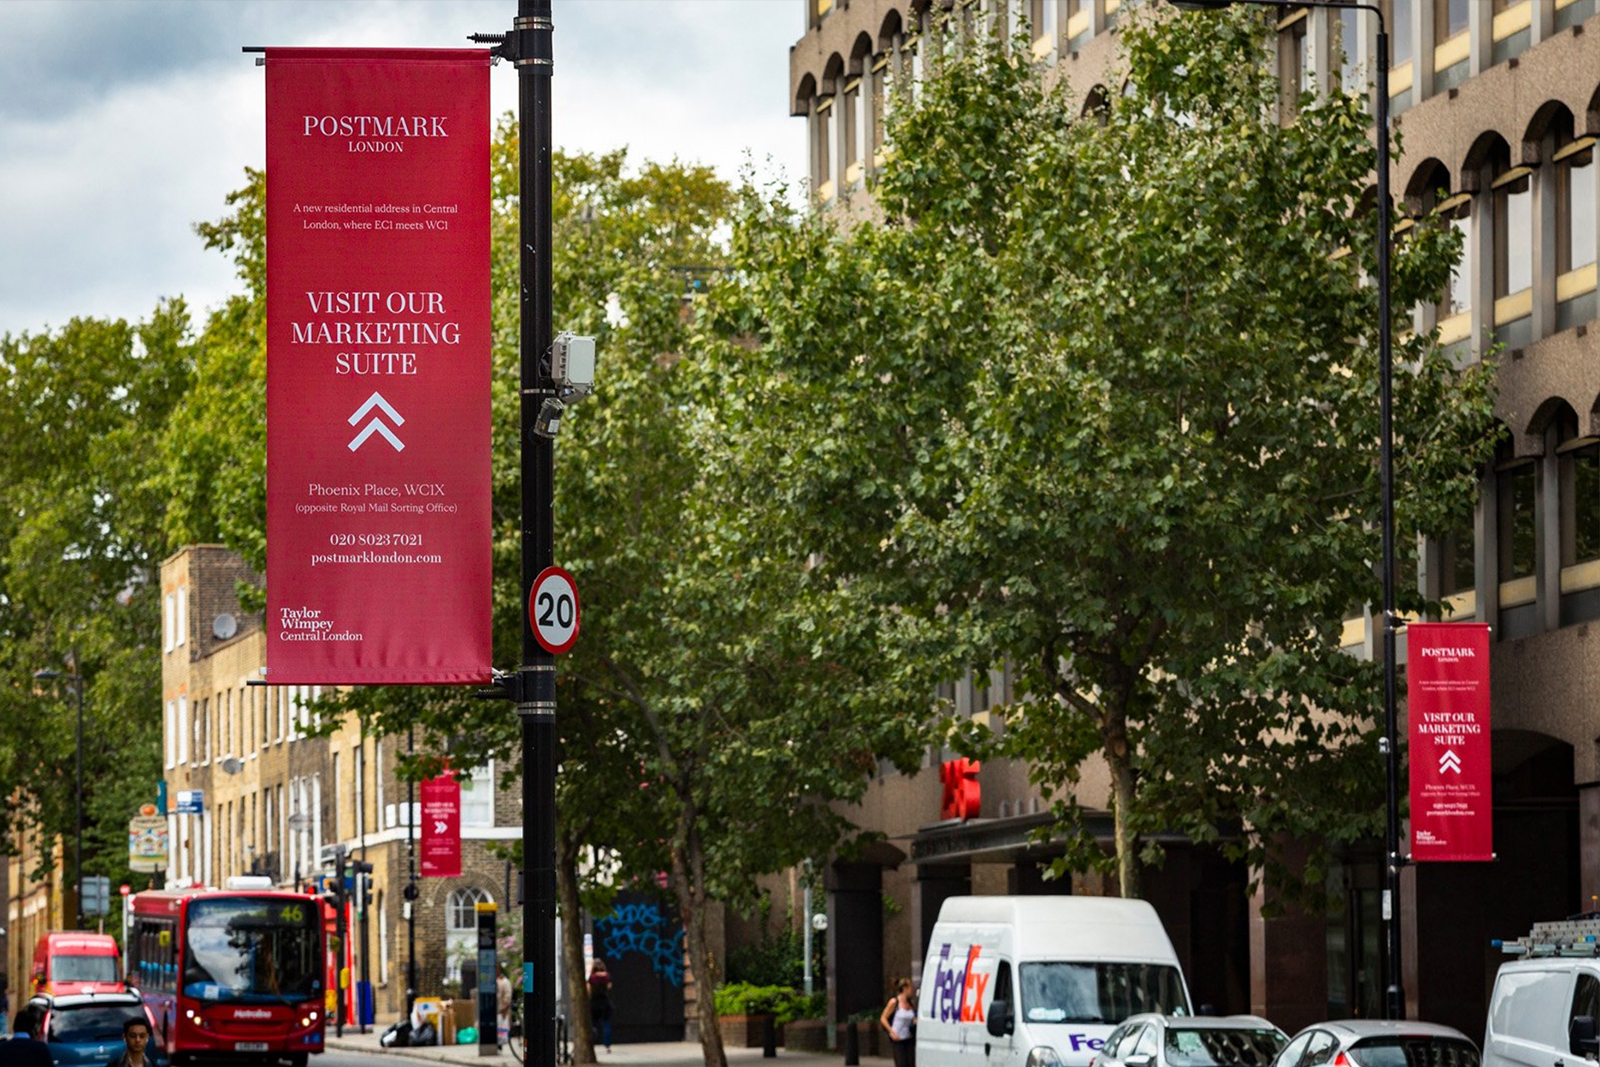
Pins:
x: 461, y: 928
x: 1517, y: 526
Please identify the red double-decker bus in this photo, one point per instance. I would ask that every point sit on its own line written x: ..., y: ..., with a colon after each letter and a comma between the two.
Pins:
x: 233, y: 976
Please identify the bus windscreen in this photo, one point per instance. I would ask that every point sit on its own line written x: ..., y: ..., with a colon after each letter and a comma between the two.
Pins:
x: 243, y: 949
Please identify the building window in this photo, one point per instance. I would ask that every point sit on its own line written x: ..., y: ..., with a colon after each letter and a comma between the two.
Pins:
x: 183, y: 730
x: 1349, y: 29
x: 477, y: 796
x: 854, y: 132
x: 461, y: 929
x: 1517, y: 529
x: 182, y: 634
x: 1577, y: 192
x: 1294, y: 61
x: 1080, y: 15
x: 1580, y: 506
x: 169, y: 617
x: 1397, y: 17
x: 1449, y: 19
x: 1512, y: 28
x: 1042, y: 23
x: 1513, y: 253
x: 1457, y: 576
x: 1450, y: 43
x: 824, y: 148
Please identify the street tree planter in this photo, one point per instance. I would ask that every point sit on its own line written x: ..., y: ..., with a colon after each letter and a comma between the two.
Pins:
x: 744, y: 1031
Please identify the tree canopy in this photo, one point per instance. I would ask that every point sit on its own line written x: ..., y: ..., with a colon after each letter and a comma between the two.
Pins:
x: 1097, y: 397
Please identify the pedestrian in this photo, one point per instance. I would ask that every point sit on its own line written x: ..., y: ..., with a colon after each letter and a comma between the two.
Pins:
x: 5, y: 1002
x: 600, y: 1003
x: 24, y: 1049
x: 135, y: 1038
x: 900, y: 1019
x: 502, y: 1008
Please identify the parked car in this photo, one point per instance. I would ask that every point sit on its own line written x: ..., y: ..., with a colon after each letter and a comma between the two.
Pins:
x: 1378, y: 1043
x: 1151, y: 1040
x: 87, y: 1027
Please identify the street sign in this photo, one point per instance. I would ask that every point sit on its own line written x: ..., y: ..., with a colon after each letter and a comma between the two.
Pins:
x: 553, y: 610
x: 191, y: 801
x: 147, y: 842
x: 96, y: 898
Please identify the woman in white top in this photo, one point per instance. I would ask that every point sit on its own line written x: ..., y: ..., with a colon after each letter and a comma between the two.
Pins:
x: 900, y: 1019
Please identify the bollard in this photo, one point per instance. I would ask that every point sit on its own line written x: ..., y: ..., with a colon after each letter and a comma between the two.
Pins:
x: 852, y: 1046
x: 769, y: 1038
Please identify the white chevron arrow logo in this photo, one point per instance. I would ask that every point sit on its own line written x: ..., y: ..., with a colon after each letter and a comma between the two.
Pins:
x: 376, y: 400
x: 1450, y: 761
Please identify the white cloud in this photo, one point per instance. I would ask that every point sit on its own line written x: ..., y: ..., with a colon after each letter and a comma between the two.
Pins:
x: 105, y: 167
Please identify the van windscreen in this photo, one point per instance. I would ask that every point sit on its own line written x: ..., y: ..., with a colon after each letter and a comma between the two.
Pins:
x: 83, y: 969
x: 1099, y: 992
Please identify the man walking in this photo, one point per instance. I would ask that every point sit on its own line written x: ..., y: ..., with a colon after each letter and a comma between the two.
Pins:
x: 24, y: 1050
x: 136, y: 1036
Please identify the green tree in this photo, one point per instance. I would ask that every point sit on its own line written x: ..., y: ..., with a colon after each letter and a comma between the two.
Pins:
x: 1098, y: 396
x: 81, y: 543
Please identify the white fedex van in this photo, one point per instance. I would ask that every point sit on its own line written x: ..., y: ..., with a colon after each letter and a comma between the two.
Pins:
x: 1040, y: 981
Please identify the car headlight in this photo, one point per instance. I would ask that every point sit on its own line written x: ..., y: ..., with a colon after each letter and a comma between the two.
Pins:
x: 1043, y: 1056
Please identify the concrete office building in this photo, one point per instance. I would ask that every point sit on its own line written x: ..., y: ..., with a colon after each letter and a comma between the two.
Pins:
x: 1499, y: 105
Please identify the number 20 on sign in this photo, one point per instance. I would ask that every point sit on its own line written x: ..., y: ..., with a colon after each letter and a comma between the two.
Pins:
x: 553, y: 610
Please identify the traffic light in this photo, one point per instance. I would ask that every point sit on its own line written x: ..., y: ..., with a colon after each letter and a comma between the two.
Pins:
x: 361, y: 874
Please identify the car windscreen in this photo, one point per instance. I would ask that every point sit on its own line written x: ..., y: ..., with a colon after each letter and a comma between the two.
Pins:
x: 1099, y: 992
x: 1414, y: 1052
x: 1193, y: 1047
x: 91, y: 1023
x: 83, y: 969
x: 258, y: 949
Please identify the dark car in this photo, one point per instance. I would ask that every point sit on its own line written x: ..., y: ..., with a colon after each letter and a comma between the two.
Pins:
x: 1378, y: 1043
x: 1151, y: 1040
x: 87, y: 1027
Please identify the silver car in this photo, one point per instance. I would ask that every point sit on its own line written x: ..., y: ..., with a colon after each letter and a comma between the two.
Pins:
x: 1150, y: 1040
x: 1378, y: 1043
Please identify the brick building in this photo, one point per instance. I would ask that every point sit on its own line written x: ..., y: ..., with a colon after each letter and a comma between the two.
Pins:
x: 1499, y: 105
x: 275, y: 800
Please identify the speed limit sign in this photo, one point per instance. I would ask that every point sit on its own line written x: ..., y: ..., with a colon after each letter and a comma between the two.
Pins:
x: 553, y: 610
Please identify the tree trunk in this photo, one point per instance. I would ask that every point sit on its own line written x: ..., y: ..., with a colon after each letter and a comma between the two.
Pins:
x: 688, y: 871
x: 1120, y: 761
x: 572, y: 946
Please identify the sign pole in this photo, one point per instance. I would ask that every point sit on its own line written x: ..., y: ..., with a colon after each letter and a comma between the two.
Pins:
x: 529, y: 47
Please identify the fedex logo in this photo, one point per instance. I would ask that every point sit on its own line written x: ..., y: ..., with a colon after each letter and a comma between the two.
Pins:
x: 957, y: 994
x: 1084, y: 1041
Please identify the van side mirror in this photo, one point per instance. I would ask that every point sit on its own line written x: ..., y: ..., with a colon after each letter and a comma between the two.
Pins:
x: 1141, y: 1060
x: 1000, y: 1021
x: 1581, y: 1036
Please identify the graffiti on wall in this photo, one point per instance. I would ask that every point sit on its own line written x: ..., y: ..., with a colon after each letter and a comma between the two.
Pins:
x: 642, y: 926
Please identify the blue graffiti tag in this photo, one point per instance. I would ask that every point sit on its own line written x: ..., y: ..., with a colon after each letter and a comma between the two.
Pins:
x: 643, y: 928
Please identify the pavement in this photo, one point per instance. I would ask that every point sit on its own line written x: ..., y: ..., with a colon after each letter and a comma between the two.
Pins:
x: 656, y: 1054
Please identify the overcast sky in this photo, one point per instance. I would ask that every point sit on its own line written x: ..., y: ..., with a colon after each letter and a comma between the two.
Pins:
x: 123, y: 122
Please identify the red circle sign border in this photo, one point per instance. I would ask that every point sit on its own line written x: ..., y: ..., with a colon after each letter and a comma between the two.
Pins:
x: 577, y: 610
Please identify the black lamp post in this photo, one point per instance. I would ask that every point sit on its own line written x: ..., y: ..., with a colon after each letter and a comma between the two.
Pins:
x: 1394, y: 999
x: 75, y: 680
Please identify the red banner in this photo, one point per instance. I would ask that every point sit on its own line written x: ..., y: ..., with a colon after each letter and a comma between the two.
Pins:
x: 378, y: 432
x: 441, y: 827
x: 1447, y: 684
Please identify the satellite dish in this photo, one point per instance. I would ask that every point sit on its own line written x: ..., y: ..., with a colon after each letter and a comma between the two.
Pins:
x: 233, y: 765
x: 224, y: 626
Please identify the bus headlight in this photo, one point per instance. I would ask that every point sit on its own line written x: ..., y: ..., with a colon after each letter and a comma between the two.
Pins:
x: 1043, y: 1056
